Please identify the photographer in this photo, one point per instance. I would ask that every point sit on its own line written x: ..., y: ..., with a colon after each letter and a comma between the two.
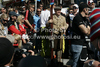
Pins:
x: 80, y: 27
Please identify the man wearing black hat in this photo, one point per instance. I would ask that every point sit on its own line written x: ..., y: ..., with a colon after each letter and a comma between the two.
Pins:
x: 59, y: 28
x: 80, y: 28
x: 13, y: 25
x: 6, y: 52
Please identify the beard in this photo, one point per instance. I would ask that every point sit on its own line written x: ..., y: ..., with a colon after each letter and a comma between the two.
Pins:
x: 5, y: 24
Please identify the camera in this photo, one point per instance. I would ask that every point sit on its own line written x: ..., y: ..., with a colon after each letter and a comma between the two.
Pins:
x: 18, y: 53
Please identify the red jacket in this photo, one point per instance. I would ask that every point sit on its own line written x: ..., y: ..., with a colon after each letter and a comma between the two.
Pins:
x: 12, y: 29
x: 22, y: 29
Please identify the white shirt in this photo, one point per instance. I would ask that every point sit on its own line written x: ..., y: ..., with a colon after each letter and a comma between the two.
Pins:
x: 44, y: 18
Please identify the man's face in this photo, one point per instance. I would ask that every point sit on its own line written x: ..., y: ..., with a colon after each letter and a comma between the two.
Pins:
x: 75, y: 9
x: 5, y: 20
x: 38, y: 12
x: 32, y: 8
x: 3, y: 10
x: 14, y: 18
x: 41, y: 7
x: 24, y: 9
x: 54, y: 5
x: 58, y: 12
x: 92, y: 5
x: 86, y: 10
x: 70, y: 11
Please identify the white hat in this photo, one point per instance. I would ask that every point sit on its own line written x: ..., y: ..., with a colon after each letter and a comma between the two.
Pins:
x: 76, y: 5
x: 91, y: 1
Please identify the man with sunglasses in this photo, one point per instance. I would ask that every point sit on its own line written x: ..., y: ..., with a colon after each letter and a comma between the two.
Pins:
x: 91, y: 5
x: 81, y: 28
x: 41, y: 6
x: 3, y: 11
x: 12, y: 24
x: 37, y: 28
x: 76, y: 9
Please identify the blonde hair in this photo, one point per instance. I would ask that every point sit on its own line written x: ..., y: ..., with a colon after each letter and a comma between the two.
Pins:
x: 2, y: 17
x: 18, y: 38
x: 19, y: 18
x: 2, y: 27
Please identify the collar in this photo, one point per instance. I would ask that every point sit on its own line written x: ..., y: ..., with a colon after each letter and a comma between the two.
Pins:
x: 57, y: 17
x: 36, y: 15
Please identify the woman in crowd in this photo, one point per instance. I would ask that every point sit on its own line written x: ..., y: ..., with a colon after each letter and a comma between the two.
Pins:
x: 25, y: 37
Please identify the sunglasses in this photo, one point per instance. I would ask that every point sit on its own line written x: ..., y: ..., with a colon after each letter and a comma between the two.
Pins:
x: 5, y: 20
x: 91, y: 3
x: 71, y: 11
x: 75, y: 7
x: 23, y: 18
x: 38, y: 11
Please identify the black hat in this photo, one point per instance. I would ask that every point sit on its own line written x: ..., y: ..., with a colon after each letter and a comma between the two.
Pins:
x: 57, y: 8
x: 6, y: 51
x: 12, y: 13
x: 32, y: 61
x: 82, y: 6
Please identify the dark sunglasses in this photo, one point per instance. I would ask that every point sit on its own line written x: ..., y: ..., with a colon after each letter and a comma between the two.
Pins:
x: 75, y: 7
x: 5, y: 20
x: 23, y: 18
x: 91, y: 3
x: 71, y: 11
x: 38, y: 11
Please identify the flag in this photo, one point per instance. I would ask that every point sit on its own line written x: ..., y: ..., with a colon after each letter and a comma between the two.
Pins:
x: 52, y: 2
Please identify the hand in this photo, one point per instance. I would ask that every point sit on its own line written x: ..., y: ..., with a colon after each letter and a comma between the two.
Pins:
x: 95, y: 63
x: 63, y: 28
x: 32, y: 53
x: 50, y: 21
x: 32, y: 28
x: 35, y: 31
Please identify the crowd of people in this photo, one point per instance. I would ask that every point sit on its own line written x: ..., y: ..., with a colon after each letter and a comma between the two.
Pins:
x: 26, y: 35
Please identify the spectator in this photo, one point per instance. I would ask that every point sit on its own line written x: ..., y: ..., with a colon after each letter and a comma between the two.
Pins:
x: 59, y: 24
x: 43, y: 20
x: 6, y: 52
x: 4, y: 25
x: 45, y: 16
x: 95, y: 37
x: 91, y: 5
x: 3, y: 11
x: 16, y: 10
x: 4, y: 28
x: 25, y: 37
x: 31, y: 9
x: 29, y: 17
x: 81, y: 28
x: 41, y: 7
x: 76, y: 9
x: 37, y: 28
x: 37, y: 19
x: 13, y: 25
x: 23, y: 10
